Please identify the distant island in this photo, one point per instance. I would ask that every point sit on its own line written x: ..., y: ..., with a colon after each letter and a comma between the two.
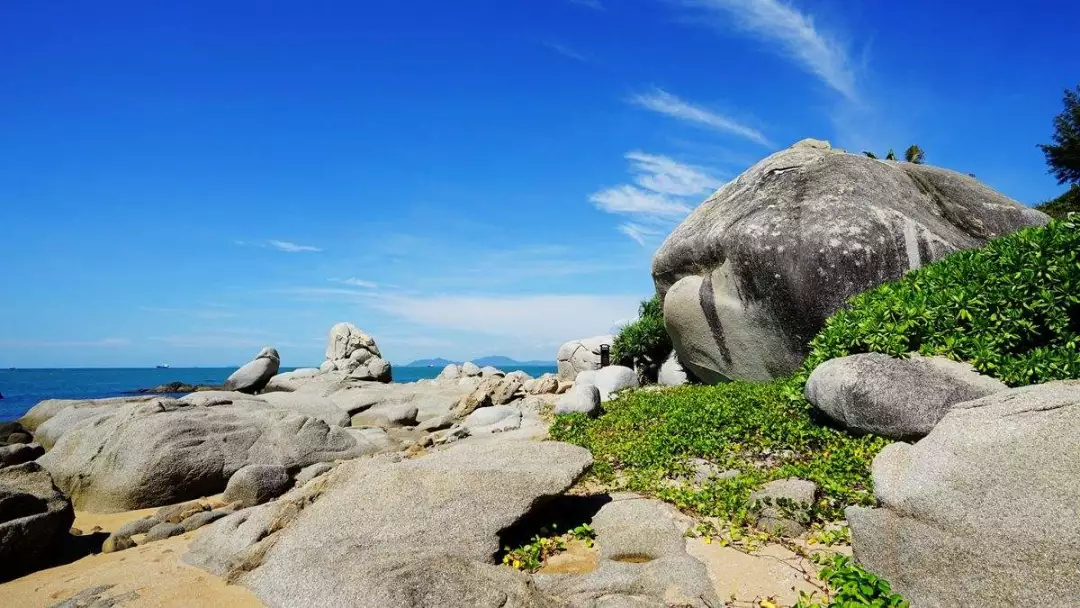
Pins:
x: 493, y: 360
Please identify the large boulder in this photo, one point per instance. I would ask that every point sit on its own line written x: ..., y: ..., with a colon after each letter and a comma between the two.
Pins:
x: 582, y: 355
x: 609, y: 380
x: 355, y: 353
x: 751, y: 275
x: 983, y: 510
x: 393, y: 533
x: 144, y: 454
x: 255, y: 375
x: 291, y: 381
x: 897, y: 398
x: 582, y: 398
x: 34, y: 516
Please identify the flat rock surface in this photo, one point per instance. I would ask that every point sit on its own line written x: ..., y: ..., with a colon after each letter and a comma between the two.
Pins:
x: 157, y: 452
x: 387, y: 532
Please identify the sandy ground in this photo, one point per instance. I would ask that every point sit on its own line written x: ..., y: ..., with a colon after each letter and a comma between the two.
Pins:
x: 148, y: 575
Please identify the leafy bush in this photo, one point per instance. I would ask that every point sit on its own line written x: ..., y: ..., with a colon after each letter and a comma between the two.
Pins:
x: 1063, y: 205
x: 1011, y: 309
x: 850, y: 586
x: 645, y: 339
x: 530, y: 557
x: 645, y: 438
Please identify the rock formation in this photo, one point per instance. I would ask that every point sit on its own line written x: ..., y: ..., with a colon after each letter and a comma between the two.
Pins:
x: 578, y: 356
x: 751, y: 275
x: 355, y: 353
x: 34, y: 516
x: 982, y: 511
x: 254, y: 375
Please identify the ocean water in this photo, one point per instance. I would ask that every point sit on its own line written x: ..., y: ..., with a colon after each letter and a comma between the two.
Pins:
x: 24, y: 388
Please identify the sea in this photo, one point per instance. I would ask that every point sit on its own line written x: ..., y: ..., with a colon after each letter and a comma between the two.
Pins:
x: 24, y: 388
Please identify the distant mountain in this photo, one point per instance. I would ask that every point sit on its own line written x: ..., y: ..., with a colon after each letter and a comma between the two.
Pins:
x: 492, y: 360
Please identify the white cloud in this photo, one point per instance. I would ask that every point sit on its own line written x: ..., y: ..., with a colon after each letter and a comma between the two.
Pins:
x: 629, y: 199
x: 796, y: 35
x: 291, y: 247
x: 357, y: 283
x: 637, y: 232
x: 546, y: 317
x: 666, y: 176
x: 197, y: 313
x: 565, y: 51
x: 663, y: 102
x: 285, y: 246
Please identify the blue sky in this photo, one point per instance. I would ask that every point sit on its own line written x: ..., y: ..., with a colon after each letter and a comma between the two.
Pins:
x: 187, y: 182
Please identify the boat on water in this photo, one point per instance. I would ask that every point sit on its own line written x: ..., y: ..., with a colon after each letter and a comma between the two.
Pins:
x: 163, y: 366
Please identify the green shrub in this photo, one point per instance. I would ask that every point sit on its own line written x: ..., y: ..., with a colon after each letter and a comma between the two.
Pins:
x: 645, y: 339
x: 1063, y: 205
x: 644, y: 439
x: 850, y: 586
x: 1011, y: 309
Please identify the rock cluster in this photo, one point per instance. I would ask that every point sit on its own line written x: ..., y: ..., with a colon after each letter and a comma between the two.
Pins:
x: 751, y: 275
x: 355, y: 353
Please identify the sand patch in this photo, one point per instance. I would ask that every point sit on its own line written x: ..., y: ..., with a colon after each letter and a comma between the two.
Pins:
x: 576, y: 559
x: 149, y: 575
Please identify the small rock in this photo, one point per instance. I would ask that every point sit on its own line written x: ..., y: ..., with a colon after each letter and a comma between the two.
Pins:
x: 19, y: 438
x: 612, y: 379
x: 75, y: 532
x: 257, y: 483
x: 544, y: 385
x: 162, y: 531
x: 493, y: 419
x: 139, y: 526
x: 671, y: 372
x: 506, y: 391
x: 470, y: 369
x: 175, y: 514
x: 18, y: 453
x: 437, y: 423
x: 311, y: 472
x: 450, y: 372
x: 395, y: 415
x: 582, y: 398
x: 117, y: 543
x: 201, y: 519
x: 784, y: 503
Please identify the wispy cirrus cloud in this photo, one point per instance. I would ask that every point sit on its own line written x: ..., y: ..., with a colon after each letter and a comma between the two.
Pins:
x: 565, y: 51
x: 794, y: 34
x: 627, y: 199
x: 637, y: 232
x: 658, y: 197
x: 662, y: 102
x: 285, y: 246
x: 355, y: 282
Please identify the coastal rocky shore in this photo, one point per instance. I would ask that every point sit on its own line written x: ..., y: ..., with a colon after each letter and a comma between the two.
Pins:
x: 336, y: 486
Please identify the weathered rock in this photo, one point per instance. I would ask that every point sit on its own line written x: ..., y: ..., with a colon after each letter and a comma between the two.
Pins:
x: 493, y: 419
x: 143, y: 454
x: 451, y: 372
x: 256, y: 483
x: 544, y: 385
x: 138, y: 526
x: 308, y: 404
x: 376, y: 369
x: 291, y: 381
x: 387, y: 416
x: 612, y: 379
x: 311, y: 472
x: 982, y: 511
x: 437, y: 423
x: 255, y: 375
x: 34, y: 516
x: 430, y: 400
x: 162, y: 531
x: 355, y: 353
x: 643, y: 561
x: 489, y: 371
x: 175, y: 514
x: 199, y: 520
x: 345, y: 339
x: 751, y: 275
x: 897, y: 398
x: 582, y: 398
x: 481, y: 396
x: 671, y: 372
x: 470, y: 369
x: 520, y: 375
x: 373, y: 440
x: 784, y: 506
x: 19, y: 438
x: 46, y: 410
x: 18, y: 453
x: 577, y: 356
x: 506, y: 391
x: 390, y: 534
x: 116, y: 542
